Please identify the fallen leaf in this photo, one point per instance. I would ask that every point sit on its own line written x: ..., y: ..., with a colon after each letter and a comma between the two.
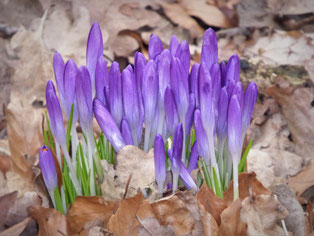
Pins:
x: 179, y: 16
x: 247, y: 181
x: 231, y: 223
x: 210, y: 14
x: 16, y: 229
x: 50, y: 221
x: 212, y: 204
x: 261, y: 214
x: 131, y: 162
x: 295, y: 220
x: 6, y: 202
x: 302, y: 181
x: 124, y: 221
x: 210, y: 226
x: 173, y: 212
x: 87, y: 209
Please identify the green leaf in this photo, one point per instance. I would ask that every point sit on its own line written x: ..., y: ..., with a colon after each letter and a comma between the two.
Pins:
x: 51, y: 139
x: 58, y: 200
x: 242, y: 163
x: 217, y: 184
x: 206, y: 174
x: 68, y: 134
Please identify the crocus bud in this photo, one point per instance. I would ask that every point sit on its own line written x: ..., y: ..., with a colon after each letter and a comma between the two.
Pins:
x: 238, y: 91
x: 190, y: 115
x: 248, y: 106
x: 150, y: 91
x: 187, y: 178
x: 194, y: 88
x: 126, y: 132
x: 234, y: 128
x: 55, y: 115
x: 84, y: 98
x: 130, y: 101
x: 102, y: 80
x: 154, y: 47
x: 160, y: 162
x: 222, y: 114
x: 183, y: 53
x: 176, y: 155
x: 194, y: 157
x: 174, y: 43
x: 180, y: 87
x: 139, y: 66
x: 163, y: 75
x: 48, y: 168
x: 70, y: 74
x: 209, y: 54
x: 216, y: 81
x: 108, y: 125
x: 115, y: 90
x: 58, y: 67
x: 50, y: 86
x: 223, y: 72
x: 94, y: 51
x: 206, y: 100
x: 172, y: 118
x: 201, y: 136
x: 232, y: 73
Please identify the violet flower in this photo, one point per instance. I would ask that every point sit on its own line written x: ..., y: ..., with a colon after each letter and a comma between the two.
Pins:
x: 160, y: 162
x: 102, y: 81
x: 108, y: 125
x: 194, y: 88
x: 234, y: 139
x: 223, y: 72
x: 55, y: 114
x: 194, y: 157
x: 176, y: 156
x: 201, y: 137
x: 172, y: 117
x: 154, y: 47
x: 209, y: 54
x: 232, y: 73
x: 187, y: 178
x: 190, y: 115
x: 174, y: 43
x: 183, y: 53
x: 94, y: 51
x: 115, y: 91
x: 126, y: 132
x: 130, y: 102
x: 150, y: 94
x: 48, y: 168
x: 248, y: 106
x: 58, y: 66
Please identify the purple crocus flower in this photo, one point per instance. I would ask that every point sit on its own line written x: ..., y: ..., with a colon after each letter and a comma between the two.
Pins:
x: 126, y: 132
x: 174, y: 43
x: 130, y: 101
x: 102, y: 81
x: 84, y: 98
x: 216, y: 80
x: 115, y: 90
x: 187, y: 178
x: 180, y: 87
x: 201, y: 136
x: 190, y: 115
x: 222, y: 114
x: 176, y: 155
x: 234, y: 128
x: 69, y: 83
x: 209, y: 54
x: 94, y: 51
x: 183, y: 53
x: 154, y: 47
x: 248, y: 106
x: 160, y: 162
x: 232, y: 73
x: 194, y: 88
x: 48, y: 168
x: 58, y: 67
x: 223, y: 72
x: 238, y: 91
x: 108, y: 125
x: 150, y: 94
x: 194, y: 157
x: 172, y: 118
x: 55, y: 114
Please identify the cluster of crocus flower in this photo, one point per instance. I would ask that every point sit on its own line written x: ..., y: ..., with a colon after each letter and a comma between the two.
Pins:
x: 161, y: 96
